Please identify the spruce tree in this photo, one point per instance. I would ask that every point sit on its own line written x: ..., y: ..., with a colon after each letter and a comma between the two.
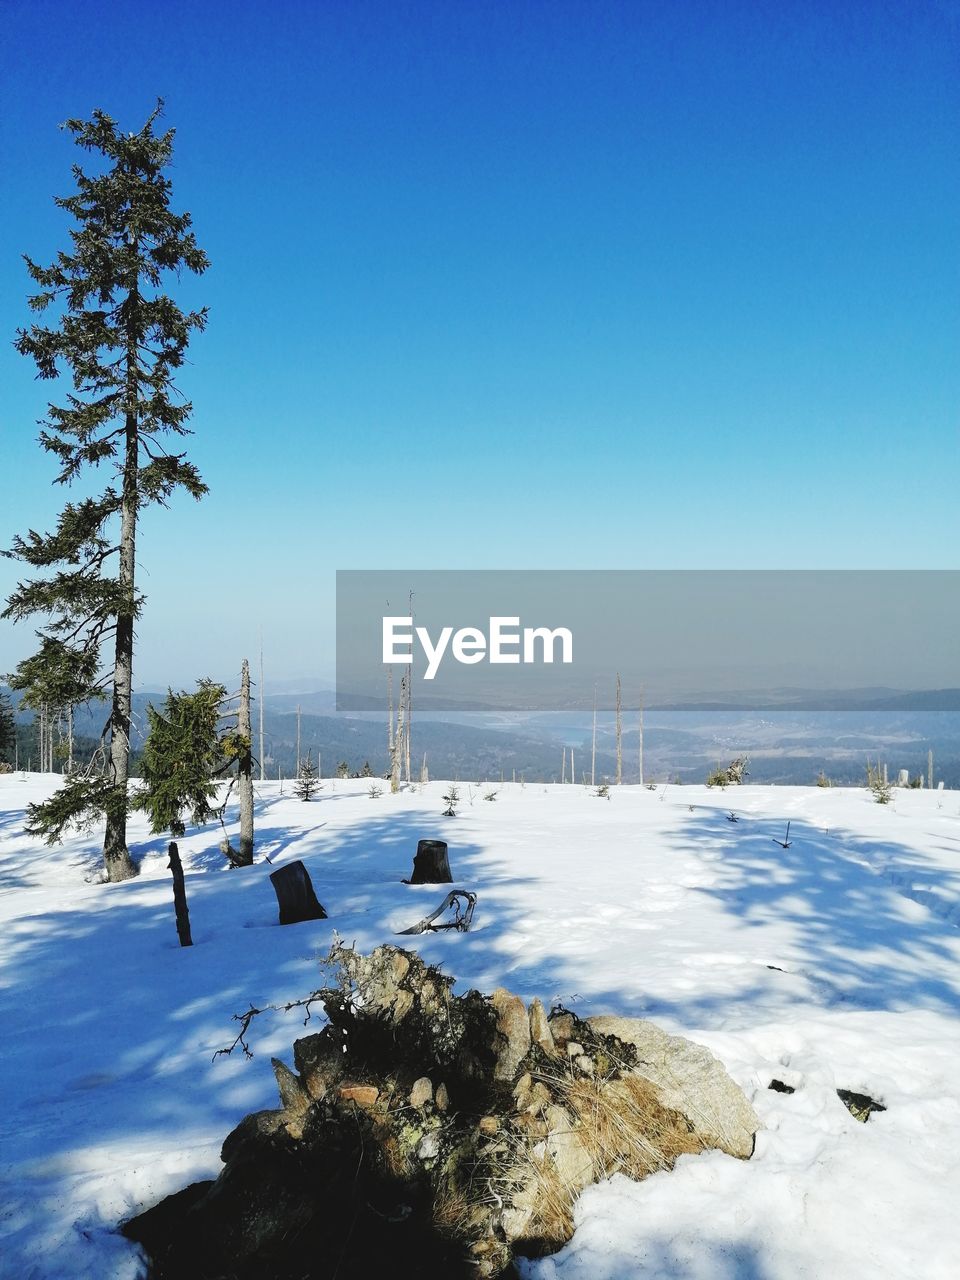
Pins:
x: 181, y: 758
x: 307, y: 784
x: 122, y: 338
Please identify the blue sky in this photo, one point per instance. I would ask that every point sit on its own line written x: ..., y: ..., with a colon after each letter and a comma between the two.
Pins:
x: 525, y: 285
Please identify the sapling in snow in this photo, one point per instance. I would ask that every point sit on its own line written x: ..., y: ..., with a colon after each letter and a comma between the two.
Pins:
x: 307, y: 784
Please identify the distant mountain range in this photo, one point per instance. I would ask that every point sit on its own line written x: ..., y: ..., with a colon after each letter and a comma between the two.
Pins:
x: 787, y: 746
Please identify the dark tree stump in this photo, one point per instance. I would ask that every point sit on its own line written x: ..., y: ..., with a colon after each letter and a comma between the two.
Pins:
x: 180, y: 897
x: 295, y: 894
x: 430, y: 863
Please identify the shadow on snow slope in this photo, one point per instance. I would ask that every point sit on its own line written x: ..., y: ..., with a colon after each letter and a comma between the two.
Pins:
x: 851, y: 904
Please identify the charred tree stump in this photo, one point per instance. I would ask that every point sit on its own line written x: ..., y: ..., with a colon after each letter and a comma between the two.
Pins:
x: 180, y: 897
x: 295, y: 894
x: 430, y: 863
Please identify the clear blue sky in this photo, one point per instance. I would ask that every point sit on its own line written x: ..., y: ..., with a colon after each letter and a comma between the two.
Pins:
x: 516, y: 285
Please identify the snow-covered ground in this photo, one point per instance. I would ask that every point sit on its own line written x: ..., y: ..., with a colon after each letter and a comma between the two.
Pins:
x: 833, y: 963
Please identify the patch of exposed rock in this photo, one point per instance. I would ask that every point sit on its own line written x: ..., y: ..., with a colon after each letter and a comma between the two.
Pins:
x: 691, y: 1080
x: 424, y: 1134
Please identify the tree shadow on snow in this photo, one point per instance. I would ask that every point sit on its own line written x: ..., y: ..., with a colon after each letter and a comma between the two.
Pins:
x: 849, y: 903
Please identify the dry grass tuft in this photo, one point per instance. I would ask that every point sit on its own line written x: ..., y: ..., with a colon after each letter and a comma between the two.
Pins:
x: 614, y: 1126
x: 552, y: 1221
x: 625, y: 1128
x: 520, y: 1189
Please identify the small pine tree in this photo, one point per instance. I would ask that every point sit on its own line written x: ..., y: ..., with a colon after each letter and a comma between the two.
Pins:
x: 343, y: 769
x: 180, y: 758
x: 366, y: 771
x: 882, y: 791
x: 307, y: 784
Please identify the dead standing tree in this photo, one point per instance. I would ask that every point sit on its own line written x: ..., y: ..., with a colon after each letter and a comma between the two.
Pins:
x: 593, y: 748
x: 399, y: 749
x: 619, y: 734
x: 245, y: 768
x: 640, y: 727
x: 237, y: 747
x: 263, y: 757
x: 409, y: 717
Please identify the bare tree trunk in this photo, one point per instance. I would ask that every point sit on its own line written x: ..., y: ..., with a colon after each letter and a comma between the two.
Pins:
x: 406, y: 732
x: 619, y: 735
x: 390, y: 712
x: 245, y: 770
x: 409, y: 719
x: 641, y: 737
x: 930, y: 768
x: 70, y: 740
x: 263, y: 767
x: 396, y: 756
x: 593, y: 751
x: 563, y: 767
x: 298, y: 740
x: 115, y: 853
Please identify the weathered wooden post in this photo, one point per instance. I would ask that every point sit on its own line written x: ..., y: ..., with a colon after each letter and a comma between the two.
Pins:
x: 295, y: 894
x: 180, y: 897
x: 431, y: 864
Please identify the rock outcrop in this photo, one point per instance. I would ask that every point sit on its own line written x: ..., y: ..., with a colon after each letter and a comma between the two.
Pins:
x: 689, y: 1079
x: 424, y: 1134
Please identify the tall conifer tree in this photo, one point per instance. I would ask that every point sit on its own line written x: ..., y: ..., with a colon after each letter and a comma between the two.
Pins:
x: 121, y: 337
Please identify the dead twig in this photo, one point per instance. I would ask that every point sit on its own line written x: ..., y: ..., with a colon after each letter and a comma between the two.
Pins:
x: 246, y: 1018
x: 785, y: 842
x: 463, y: 914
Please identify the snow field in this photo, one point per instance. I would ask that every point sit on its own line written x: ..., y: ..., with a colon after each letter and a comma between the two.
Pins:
x: 831, y: 964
